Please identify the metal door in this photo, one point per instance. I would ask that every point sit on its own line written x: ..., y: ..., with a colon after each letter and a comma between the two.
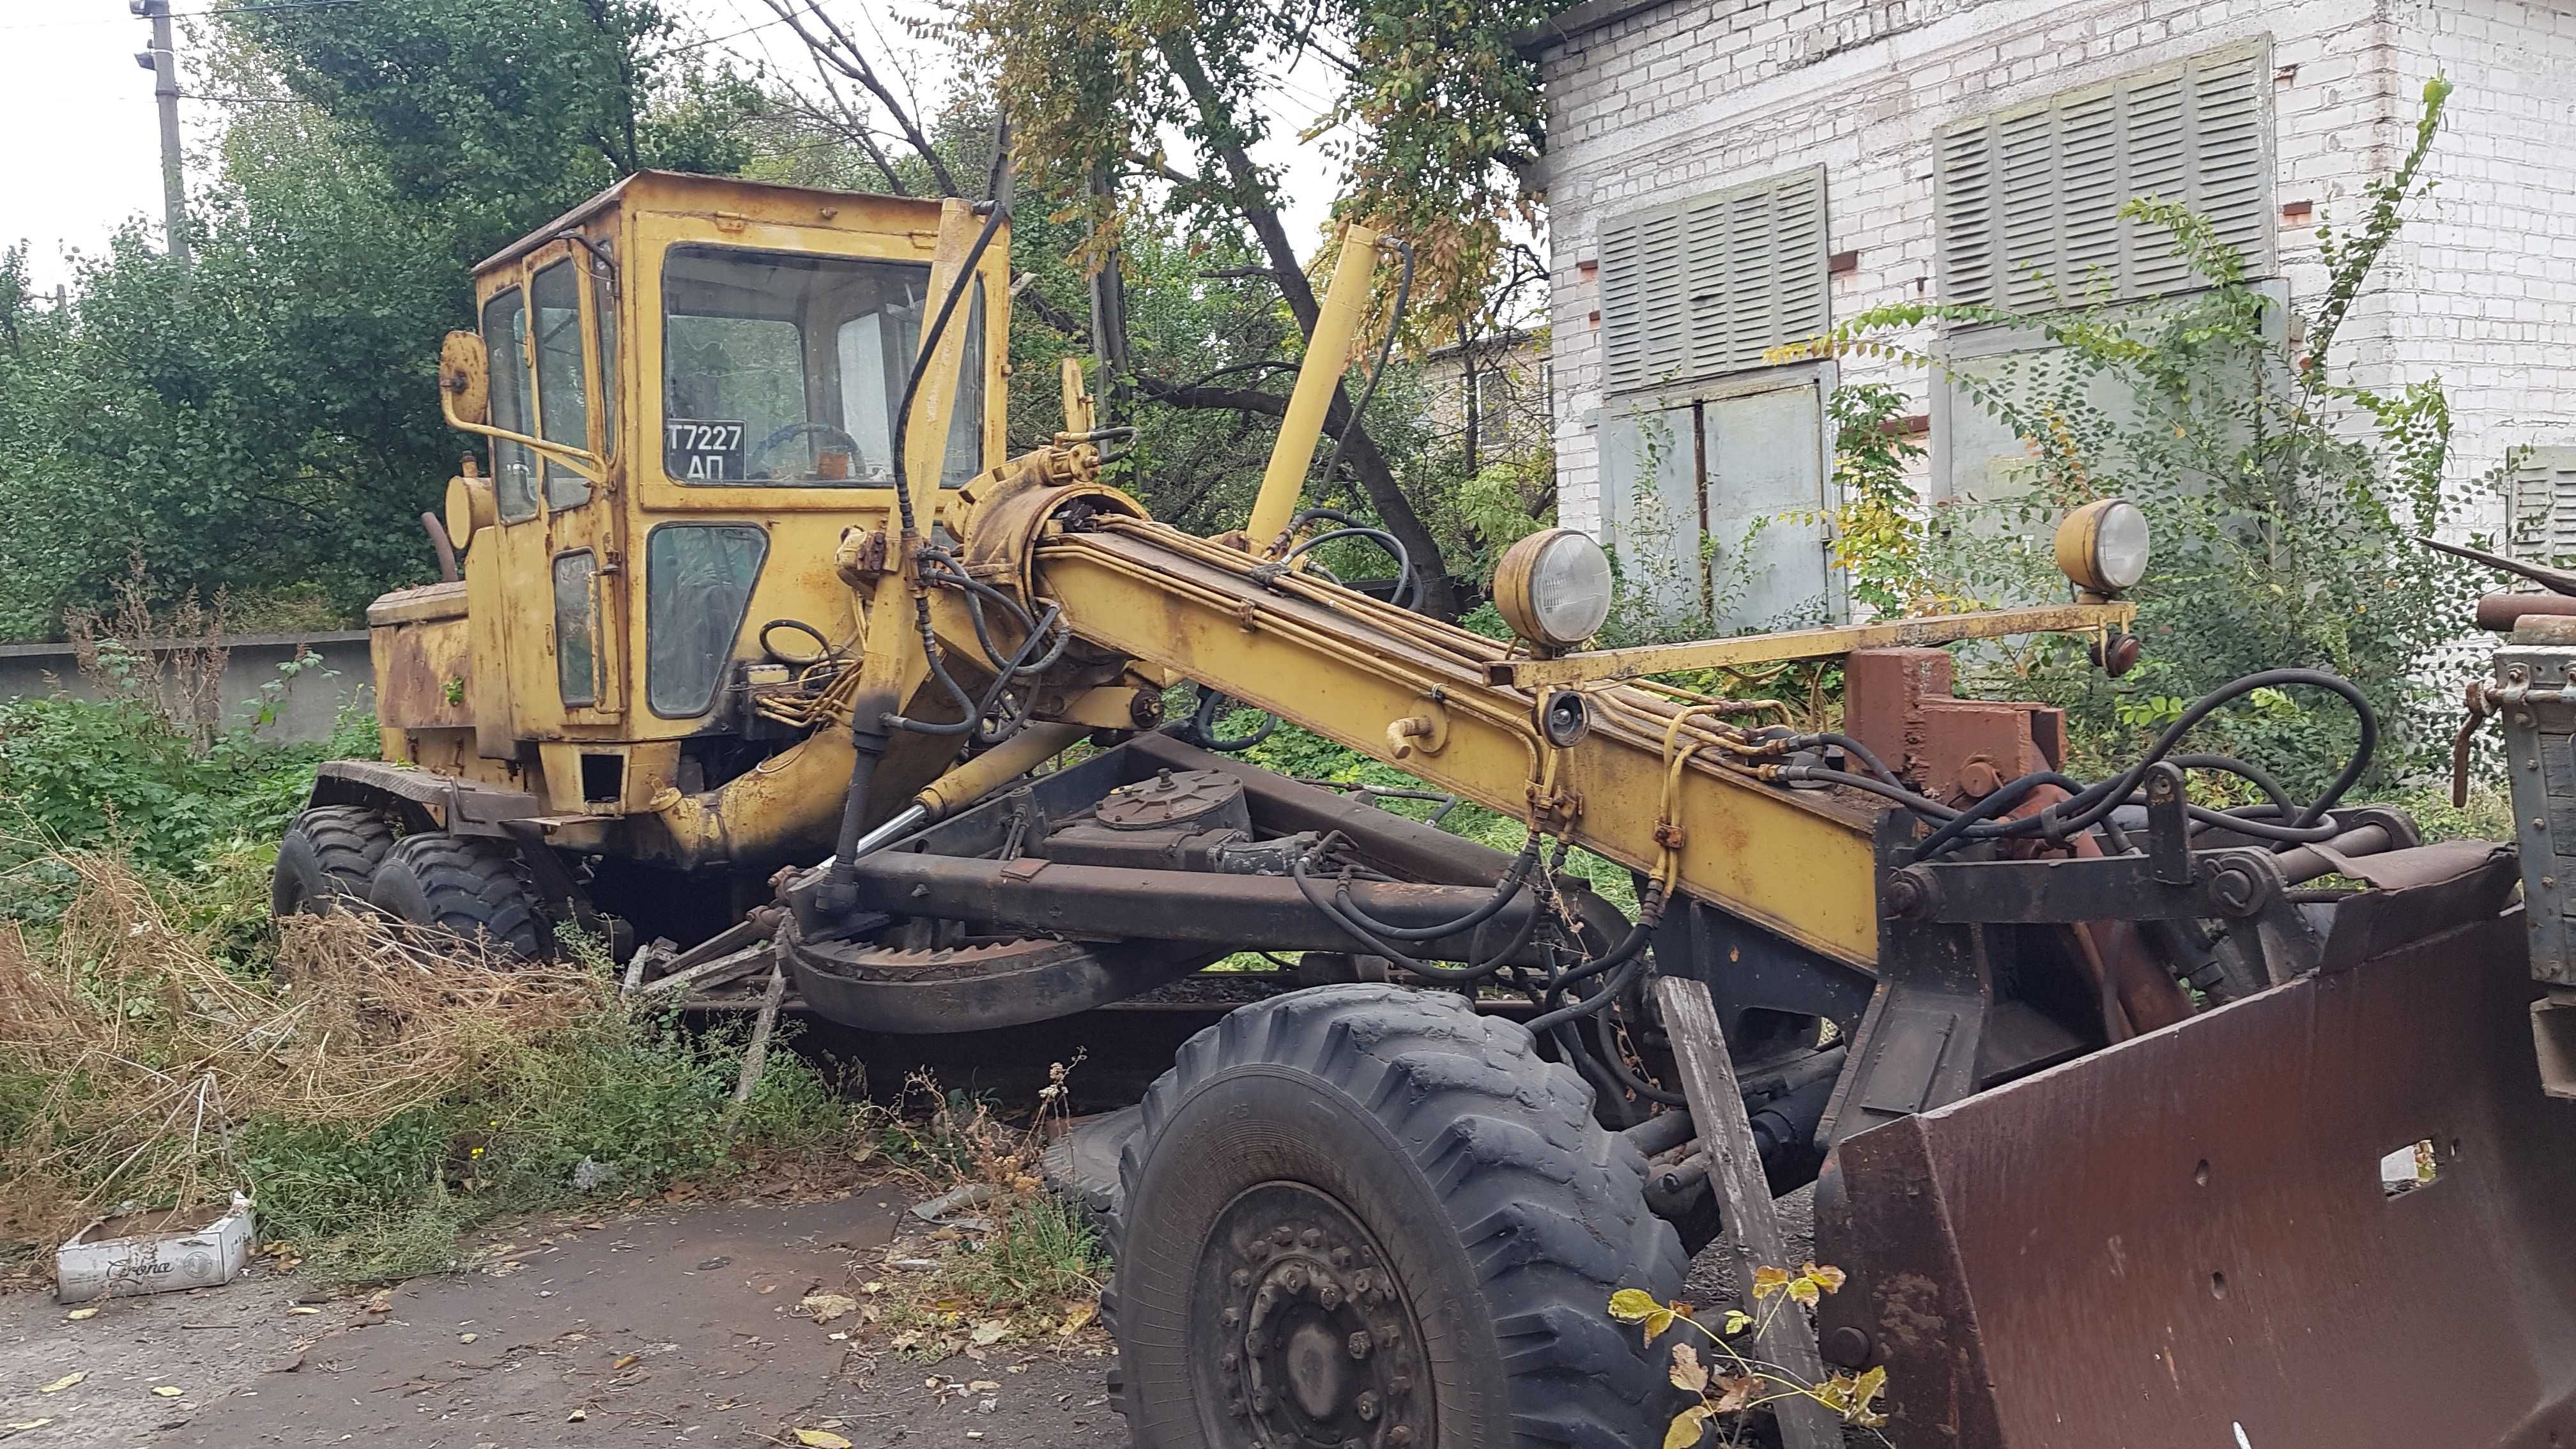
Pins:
x: 1765, y: 484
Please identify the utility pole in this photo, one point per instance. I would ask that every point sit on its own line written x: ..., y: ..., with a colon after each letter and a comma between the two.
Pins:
x: 163, y: 61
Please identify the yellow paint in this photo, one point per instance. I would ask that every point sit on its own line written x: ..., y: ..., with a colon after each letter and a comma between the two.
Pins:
x: 1337, y: 321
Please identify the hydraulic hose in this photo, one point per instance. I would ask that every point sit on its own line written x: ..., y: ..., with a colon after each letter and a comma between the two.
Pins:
x: 2089, y: 805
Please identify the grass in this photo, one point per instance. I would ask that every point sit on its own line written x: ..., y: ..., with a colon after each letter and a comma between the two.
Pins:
x: 377, y: 1099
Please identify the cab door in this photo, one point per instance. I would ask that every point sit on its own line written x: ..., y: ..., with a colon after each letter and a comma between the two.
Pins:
x: 560, y: 516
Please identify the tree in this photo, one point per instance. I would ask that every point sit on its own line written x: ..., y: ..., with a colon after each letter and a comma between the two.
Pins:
x: 493, y: 115
x: 1440, y: 107
x: 266, y: 425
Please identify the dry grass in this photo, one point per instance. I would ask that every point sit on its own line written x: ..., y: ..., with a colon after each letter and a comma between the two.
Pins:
x: 135, y: 1054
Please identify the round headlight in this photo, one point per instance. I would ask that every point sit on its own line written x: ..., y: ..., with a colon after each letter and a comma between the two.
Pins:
x: 2102, y: 546
x: 1553, y: 588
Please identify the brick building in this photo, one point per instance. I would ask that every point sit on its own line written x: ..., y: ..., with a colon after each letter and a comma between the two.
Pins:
x: 1726, y: 175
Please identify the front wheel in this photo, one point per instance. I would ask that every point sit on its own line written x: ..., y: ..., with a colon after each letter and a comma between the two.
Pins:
x: 1363, y: 1214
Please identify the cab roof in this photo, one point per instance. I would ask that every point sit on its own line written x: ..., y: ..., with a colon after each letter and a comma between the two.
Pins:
x: 684, y: 191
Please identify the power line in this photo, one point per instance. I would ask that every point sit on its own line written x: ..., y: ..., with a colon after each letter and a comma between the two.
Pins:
x: 190, y: 14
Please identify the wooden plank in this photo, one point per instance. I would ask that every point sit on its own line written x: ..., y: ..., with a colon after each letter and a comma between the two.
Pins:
x: 1752, y: 1223
x: 755, y: 1057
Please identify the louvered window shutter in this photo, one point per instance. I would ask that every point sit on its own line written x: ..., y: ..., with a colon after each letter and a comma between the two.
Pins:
x: 2543, y: 498
x: 1707, y: 286
x: 2030, y: 198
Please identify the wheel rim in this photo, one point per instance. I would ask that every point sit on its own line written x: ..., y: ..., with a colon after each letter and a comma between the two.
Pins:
x: 1311, y: 1342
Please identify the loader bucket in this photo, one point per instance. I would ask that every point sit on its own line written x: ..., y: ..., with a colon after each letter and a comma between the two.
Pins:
x: 2209, y: 1235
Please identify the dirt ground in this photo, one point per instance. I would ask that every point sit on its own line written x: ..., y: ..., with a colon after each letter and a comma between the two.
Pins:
x: 669, y: 1325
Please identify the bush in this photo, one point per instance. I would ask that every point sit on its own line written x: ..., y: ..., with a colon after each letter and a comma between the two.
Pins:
x: 2284, y: 501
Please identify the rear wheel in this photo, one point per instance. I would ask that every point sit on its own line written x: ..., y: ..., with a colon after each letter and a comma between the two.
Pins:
x: 473, y: 887
x: 1366, y: 1214
x: 328, y: 859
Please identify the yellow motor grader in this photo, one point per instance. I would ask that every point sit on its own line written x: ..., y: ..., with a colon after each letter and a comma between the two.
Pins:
x: 761, y: 643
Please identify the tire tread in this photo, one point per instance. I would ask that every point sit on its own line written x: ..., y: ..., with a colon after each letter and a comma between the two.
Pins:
x: 1548, y: 1205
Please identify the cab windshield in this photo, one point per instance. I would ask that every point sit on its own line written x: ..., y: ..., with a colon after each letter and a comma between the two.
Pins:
x: 786, y: 369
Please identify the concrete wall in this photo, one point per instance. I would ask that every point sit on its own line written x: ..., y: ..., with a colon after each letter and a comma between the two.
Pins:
x: 313, y: 698
x: 1668, y: 101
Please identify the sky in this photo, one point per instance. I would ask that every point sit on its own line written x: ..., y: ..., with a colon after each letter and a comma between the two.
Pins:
x: 84, y: 152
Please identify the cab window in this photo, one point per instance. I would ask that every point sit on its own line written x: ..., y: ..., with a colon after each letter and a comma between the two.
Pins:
x: 562, y: 393
x: 784, y: 369
x: 505, y: 342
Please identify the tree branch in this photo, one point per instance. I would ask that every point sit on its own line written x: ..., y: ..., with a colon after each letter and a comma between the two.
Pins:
x: 842, y: 54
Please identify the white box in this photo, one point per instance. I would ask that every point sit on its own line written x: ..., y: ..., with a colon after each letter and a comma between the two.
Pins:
x: 88, y: 1266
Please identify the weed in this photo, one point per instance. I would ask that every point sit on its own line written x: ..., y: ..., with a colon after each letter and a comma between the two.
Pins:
x: 1025, y: 1265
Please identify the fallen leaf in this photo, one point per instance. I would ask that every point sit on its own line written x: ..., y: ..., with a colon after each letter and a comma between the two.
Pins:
x: 627, y: 1360
x: 1075, y: 1318
x: 300, y: 1308
x: 1736, y: 1393
x: 23, y: 1425
x: 821, y: 1439
x: 77, y: 1314
x: 990, y: 1331
x: 168, y: 1391
x: 1687, y: 1427
x: 824, y: 1307
x: 578, y: 1416
x: 65, y: 1382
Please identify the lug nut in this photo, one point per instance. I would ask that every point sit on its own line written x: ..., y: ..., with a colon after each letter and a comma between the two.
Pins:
x: 1329, y: 1294
x: 1365, y: 1406
x: 1361, y: 1343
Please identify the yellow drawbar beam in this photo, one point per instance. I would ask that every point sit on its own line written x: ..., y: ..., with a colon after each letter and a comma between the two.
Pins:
x: 1345, y: 302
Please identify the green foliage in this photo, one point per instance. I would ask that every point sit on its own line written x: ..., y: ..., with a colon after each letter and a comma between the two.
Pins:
x: 1439, y: 106
x: 493, y: 115
x: 113, y: 775
x: 2283, y: 500
x: 266, y: 422
x: 1877, y: 518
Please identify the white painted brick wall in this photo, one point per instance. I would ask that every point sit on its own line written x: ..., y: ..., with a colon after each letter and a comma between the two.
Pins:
x: 2481, y: 289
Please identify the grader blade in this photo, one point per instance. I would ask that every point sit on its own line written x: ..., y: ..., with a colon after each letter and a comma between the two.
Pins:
x: 2336, y: 1213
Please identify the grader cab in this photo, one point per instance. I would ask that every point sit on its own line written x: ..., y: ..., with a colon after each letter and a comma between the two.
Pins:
x: 759, y: 643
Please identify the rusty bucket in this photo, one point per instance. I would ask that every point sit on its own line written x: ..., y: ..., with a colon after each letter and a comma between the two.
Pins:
x: 2335, y: 1215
